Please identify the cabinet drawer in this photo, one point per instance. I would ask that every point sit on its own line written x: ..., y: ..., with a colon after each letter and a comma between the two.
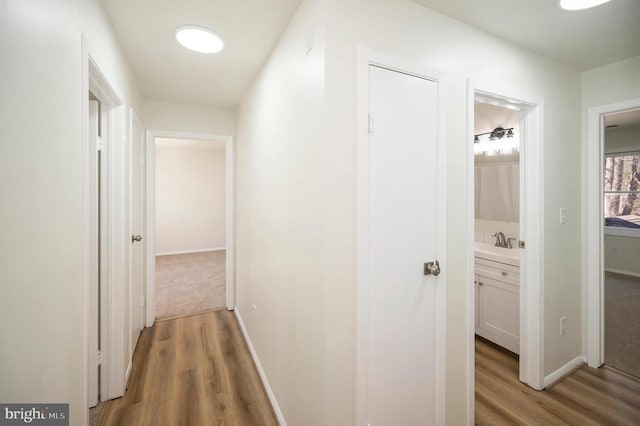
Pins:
x: 498, y: 271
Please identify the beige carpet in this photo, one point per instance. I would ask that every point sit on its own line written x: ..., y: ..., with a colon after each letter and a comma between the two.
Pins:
x: 190, y: 283
x: 94, y: 414
x: 622, y: 323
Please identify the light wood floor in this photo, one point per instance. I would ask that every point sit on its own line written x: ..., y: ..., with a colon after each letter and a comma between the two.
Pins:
x: 587, y: 397
x: 194, y: 370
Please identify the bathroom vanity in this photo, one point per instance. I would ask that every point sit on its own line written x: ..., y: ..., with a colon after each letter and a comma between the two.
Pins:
x: 497, y: 290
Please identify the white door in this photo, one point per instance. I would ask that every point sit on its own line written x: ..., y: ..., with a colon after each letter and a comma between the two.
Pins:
x: 94, y: 271
x: 402, y: 235
x: 137, y: 226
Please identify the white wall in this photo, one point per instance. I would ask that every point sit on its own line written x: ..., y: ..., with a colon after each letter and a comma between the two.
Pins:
x: 621, y: 254
x: 190, y: 195
x: 41, y: 295
x: 412, y: 32
x: 294, y: 182
x: 612, y: 83
x: 622, y: 137
x: 280, y: 230
x: 189, y: 118
x: 484, y: 230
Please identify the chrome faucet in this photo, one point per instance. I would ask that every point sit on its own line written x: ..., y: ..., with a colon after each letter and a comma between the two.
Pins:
x: 501, y: 241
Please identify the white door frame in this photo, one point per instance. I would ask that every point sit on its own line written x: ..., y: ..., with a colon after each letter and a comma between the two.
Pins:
x: 136, y: 123
x: 595, y: 226
x: 367, y: 57
x: 115, y: 251
x: 230, y: 199
x: 531, y: 231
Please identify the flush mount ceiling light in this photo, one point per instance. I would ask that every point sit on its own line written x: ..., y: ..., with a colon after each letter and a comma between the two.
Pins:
x: 199, y: 39
x: 580, y: 4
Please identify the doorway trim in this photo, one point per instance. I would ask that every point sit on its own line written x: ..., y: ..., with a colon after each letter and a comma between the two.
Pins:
x: 531, y: 231
x: 114, y: 256
x: 366, y: 58
x: 595, y: 231
x: 230, y: 200
x: 136, y: 124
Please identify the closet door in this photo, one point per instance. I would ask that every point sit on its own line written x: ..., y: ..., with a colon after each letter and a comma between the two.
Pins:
x: 402, y: 212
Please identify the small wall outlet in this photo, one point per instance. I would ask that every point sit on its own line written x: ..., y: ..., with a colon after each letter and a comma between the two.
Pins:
x: 563, y: 326
x: 563, y: 215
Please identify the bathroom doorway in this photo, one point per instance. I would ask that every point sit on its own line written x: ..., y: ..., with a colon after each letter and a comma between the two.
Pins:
x: 497, y: 226
x: 505, y: 223
x: 496, y: 170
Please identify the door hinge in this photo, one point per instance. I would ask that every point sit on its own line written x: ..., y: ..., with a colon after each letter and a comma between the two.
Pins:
x: 100, y: 357
x: 521, y: 244
x: 370, y: 123
x: 99, y: 143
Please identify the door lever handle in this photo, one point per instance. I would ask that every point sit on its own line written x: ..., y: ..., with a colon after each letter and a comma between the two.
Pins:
x: 432, y: 268
x: 135, y: 238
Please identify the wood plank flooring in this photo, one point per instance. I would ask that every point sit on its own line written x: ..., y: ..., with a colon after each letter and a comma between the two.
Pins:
x: 587, y: 397
x: 194, y: 370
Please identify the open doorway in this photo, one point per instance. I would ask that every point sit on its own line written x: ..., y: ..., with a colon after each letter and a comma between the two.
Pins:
x: 622, y: 241
x: 497, y: 230
x: 505, y: 223
x: 190, y: 244
x: 190, y: 201
x: 612, y: 236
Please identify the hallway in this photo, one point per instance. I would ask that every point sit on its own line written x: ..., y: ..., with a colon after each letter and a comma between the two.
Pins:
x: 194, y: 370
x: 587, y: 397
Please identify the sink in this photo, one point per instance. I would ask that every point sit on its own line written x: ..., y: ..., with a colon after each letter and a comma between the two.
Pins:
x: 497, y: 254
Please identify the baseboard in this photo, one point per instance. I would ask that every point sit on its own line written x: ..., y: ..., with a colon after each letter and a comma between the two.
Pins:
x: 127, y: 374
x: 263, y: 376
x: 564, y: 371
x: 170, y: 253
x: 619, y: 271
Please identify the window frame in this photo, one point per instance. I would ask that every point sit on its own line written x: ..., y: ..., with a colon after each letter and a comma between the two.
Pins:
x: 619, y: 231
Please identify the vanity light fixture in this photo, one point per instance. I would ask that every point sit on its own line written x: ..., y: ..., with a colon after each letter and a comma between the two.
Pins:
x: 580, y: 4
x: 495, y: 134
x: 199, y: 39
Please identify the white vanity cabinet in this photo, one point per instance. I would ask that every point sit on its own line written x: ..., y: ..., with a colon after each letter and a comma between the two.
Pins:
x: 497, y: 288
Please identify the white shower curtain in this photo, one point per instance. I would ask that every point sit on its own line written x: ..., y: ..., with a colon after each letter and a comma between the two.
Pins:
x: 497, y: 192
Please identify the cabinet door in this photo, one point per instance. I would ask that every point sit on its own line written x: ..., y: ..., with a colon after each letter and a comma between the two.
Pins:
x: 498, y: 317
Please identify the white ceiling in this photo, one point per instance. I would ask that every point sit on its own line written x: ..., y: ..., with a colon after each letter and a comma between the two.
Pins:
x: 623, y: 119
x: 487, y: 117
x: 165, y: 71
x: 583, y: 39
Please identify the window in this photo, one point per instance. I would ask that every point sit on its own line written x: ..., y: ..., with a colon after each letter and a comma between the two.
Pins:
x: 622, y: 190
